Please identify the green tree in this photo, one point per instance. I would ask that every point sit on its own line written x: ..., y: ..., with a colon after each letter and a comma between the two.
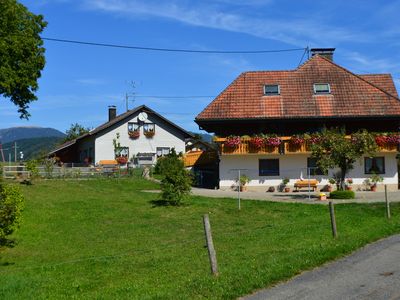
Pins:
x: 21, y: 54
x: 176, y: 182
x: 335, y: 149
x: 76, y: 130
x: 11, y: 205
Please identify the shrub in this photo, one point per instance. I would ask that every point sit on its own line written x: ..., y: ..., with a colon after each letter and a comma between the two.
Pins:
x: 11, y: 205
x: 342, y: 195
x: 32, y: 166
x: 176, y: 183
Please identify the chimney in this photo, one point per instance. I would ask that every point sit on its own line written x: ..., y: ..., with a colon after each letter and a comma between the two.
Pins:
x: 112, y: 112
x: 325, y: 52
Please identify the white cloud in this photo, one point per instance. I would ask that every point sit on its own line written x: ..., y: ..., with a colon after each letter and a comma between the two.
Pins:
x: 299, y: 32
x: 365, y: 64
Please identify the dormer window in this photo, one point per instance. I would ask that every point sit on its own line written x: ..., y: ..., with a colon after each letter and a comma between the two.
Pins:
x: 272, y: 90
x: 322, y: 88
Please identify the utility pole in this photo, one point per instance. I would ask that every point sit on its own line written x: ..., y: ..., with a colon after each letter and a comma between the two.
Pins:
x: 2, y: 152
x: 15, y: 151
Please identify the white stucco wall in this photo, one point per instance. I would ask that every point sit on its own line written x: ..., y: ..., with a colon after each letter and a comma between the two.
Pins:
x: 293, y: 166
x: 165, y: 136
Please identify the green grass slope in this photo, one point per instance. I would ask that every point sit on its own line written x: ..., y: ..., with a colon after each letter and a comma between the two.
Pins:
x: 106, y: 239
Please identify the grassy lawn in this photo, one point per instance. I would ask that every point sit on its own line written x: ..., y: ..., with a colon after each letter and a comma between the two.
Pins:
x: 106, y: 239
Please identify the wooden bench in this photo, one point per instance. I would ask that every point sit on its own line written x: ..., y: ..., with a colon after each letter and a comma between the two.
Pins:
x: 108, y: 166
x: 312, y: 183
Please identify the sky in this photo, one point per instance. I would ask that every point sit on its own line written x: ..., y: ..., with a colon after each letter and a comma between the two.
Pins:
x: 79, y: 82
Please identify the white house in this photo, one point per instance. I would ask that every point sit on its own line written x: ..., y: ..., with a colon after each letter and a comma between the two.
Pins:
x: 318, y: 94
x: 141, y: 135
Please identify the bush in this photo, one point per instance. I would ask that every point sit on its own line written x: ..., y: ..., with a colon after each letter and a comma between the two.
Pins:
x: 176, y: 182
x: 11, y: 205
x: 32, y: 166
x: 342, y: 195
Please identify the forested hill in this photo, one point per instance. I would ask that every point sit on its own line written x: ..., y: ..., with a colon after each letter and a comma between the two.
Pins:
x: 31, y: 148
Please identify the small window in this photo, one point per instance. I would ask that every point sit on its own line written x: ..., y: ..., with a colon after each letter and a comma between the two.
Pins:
x: 148, y: 127
x: 374, y: 165
x: 122, y: 151
x: 162, y: 151
x: 268, y: 167
x: 322, y: 88
x: 313, y: 167
x: 133, y: 127
x: 272, y: 89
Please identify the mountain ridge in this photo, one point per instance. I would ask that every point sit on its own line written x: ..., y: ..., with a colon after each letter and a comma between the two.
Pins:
x: 12, y: 134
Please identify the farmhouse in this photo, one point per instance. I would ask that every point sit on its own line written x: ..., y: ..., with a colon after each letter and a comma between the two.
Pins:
x: 280, y: 104
x: 142, y: 135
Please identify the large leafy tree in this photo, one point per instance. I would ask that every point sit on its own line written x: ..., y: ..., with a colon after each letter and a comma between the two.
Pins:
x: 336, y: 150
x: 21, y: 54
x: 76, y: 130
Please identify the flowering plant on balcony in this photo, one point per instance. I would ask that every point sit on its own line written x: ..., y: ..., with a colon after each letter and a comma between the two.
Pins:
x: 381, y: 140
x: 232, y: 141
x: 393, y: 139
x: 314, y: 139
x: 297, y: 140
x: 272, y: 140
x: 122, y: 160
x: 134, y: 134
x: 257, y: 141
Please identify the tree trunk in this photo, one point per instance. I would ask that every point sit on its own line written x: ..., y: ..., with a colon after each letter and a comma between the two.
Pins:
x: 342, y: 179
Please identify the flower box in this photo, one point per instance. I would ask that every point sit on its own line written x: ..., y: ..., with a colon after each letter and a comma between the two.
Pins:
x: 149, y: 134
x: 134, y: 134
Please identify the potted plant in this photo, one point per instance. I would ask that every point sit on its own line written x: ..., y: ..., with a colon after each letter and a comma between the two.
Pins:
x: 374, y: 179
x: 257, y: 142
x: 331, y: 181
x: 285, y: 188
x: 122, y: 160
x: 232, y: 141
x: 348, y: 184
x: 243, y: 180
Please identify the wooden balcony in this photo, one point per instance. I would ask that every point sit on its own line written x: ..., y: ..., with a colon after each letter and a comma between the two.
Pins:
x: 286, y: 147
x: 200, y: 158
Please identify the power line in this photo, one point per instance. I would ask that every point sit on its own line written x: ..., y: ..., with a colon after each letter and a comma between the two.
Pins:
x: 173, y: 97
x: 171, y: 49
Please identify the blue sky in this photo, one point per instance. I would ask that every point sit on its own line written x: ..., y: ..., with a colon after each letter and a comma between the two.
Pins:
x: 79, y: 82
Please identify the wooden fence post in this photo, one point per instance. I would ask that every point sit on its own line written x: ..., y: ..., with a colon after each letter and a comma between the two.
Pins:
x: 387, y: 203
x: 333, y: 219
x: 210, y: 245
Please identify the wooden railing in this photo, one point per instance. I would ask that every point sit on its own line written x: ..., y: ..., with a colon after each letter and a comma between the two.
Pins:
x: 199, y: 158
x: 245, y: 147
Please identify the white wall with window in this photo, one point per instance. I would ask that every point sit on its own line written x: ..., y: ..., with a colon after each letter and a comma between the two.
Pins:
x: 154, y: 134
x: 269, y: 170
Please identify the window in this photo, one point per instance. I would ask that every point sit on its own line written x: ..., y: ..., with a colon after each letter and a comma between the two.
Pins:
x: 374, y: 165
x: 272, y: 89
x: 122, y: 151
x: 148, y: 127
x: 268, y: 167
x: 322, y: 88
x: 312, y: 164
x: 162, y: 151
x: 133, y: 127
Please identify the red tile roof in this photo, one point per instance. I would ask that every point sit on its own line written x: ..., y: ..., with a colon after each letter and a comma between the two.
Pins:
x: 351, y: 95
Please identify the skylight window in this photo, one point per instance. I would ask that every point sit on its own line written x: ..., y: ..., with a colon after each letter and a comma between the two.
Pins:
x: 272, y: 89
x: 322, y: 88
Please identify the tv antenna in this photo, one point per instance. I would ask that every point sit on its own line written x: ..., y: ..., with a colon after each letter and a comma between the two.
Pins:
x: 130, y: 95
